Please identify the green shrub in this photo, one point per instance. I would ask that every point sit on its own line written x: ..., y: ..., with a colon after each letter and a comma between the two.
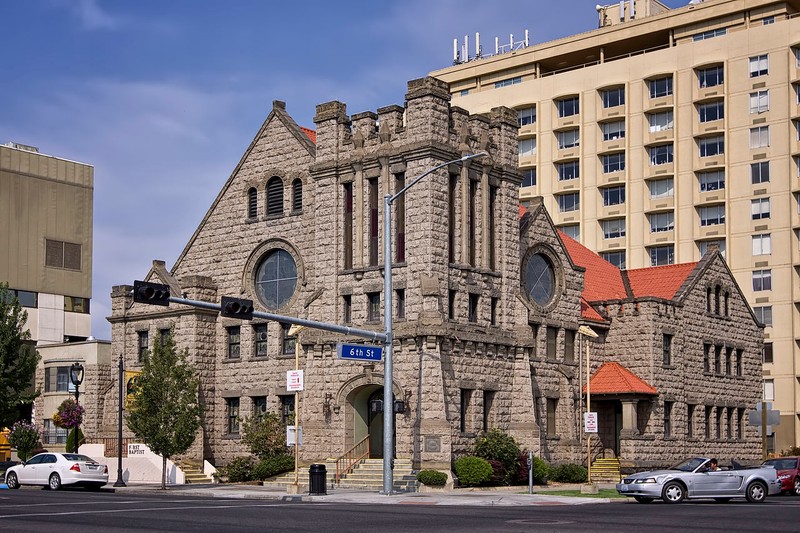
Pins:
x: 494, y: 445
x: 432, y: 478
x: 71, y: 440
x: 239, y: 469
x: 265, y: 435
x: 473, y: 471
x: 272, y: 466
x: 540, y: 470
x: 568, y: 473
x: 499, y: 474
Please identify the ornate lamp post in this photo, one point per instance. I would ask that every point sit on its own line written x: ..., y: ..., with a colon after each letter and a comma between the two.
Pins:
x: 76, y: 377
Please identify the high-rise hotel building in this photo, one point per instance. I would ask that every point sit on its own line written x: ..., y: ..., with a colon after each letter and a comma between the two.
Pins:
x: 663, y: 132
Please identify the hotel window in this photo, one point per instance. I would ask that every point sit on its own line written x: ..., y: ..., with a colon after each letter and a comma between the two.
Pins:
x: 613, y: 97
x: 759, y: 137
x: 529, y: 177
x: 275, y: 196
x: 711, y: 181
x: 372, y: 185
x: 373, y: 306
x: 759, y: 208
x: 690, y: 420
x: 613, y: 131
x: 615, y: 258
x: 663, y: 188
x: 451, y: 304
x: 143, y: 339
x: 260, y: 340
x: 552, y: 340
x: 613, y: 195
x: 552, y: 405
x: 660, y: 87
x: 288, y: 342
x: 569, y: 202
x: 297, y: 195
x: 232, y: 414
x: 661, y: 222
x: 259, y: 406
x: 667, y: 419
x: 711, y: 111
x: 759, y: 66
x: 660, y: 155
x: 759, y: 102
x: 252, y: 202
x: 347, y: 226
x: 60, y: 254
x: 614, y: 228
x: 234, y: 342
x: 762, y: 244
x: 759, y: 172
x: 766, y: 353
x: 527, y: 116
x: 710, y: 34
x: 568, y: 171
x: 764, y: 314
x: 508, y: 82
x: 762, y: 280
x: 712, y: 215
x: 527, y: 147
x: 662, y: 255
x: 705, y: 245
x: 796, y: 52
x: 711, y: 77
x: 613, y: 163
x: 568, y: 139
x: 769, y: 390
x: 660, y: 121
x: 569, y: 346
x: 466, y: 395
x: 568, y: 107
x: 400, y: 296
x: 347, y: 308
x: 572, y: 230
x: 472, y: 311
x: 711, y: 146
x: 768, y: 20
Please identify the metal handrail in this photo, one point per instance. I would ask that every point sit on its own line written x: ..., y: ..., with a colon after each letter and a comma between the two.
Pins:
x: 350, y: 458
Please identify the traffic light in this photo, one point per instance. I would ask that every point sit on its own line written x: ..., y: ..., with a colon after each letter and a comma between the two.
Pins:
x: 237, y: 308
x: 150, y: 293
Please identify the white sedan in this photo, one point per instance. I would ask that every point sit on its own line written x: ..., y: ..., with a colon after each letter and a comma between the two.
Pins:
x: 56, y: 469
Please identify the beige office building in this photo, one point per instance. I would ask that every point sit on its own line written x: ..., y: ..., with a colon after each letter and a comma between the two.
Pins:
x: 665, y: 131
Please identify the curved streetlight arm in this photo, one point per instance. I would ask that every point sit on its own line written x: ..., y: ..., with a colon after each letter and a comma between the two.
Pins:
x: 392, y: 198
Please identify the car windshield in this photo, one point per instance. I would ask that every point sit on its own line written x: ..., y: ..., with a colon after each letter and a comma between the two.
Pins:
x: 689, y: 465
x: 781, y: 464
x: 78, y: 457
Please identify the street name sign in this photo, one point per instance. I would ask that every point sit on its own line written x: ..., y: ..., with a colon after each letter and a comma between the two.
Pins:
x: 359, y: 352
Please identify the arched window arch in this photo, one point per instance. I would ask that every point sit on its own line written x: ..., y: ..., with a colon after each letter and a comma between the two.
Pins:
x: 275, y: 196
x: 297, y: 195
x: 252, y: 203
x: 717, y: 291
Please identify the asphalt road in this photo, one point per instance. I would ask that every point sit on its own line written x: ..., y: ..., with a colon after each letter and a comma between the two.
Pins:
x: 34, y: 510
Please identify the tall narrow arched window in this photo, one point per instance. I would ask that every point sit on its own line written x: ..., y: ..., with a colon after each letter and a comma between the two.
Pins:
x: 275, y: 196
x: 252, y: 203
x: 297, y: 195
x: 727, y: 298
x: 717, y: 291
x: 708, y: 299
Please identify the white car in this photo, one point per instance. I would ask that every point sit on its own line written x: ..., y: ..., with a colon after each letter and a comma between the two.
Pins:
x: 56, y: 469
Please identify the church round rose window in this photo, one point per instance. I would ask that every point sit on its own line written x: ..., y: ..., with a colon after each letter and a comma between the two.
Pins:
x: 276, y: 279
x: 540, y: 279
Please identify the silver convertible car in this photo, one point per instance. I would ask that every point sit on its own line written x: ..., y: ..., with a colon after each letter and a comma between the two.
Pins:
x: 693, y: 479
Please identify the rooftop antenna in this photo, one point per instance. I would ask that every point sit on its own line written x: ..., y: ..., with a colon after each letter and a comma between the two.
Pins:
x: 455, y: 52
x: 526, y: 39
x: 465, y: 48
x: 633, y: 9
x: 622, y: 11
x: 477, y: 44
x: 496, y: 45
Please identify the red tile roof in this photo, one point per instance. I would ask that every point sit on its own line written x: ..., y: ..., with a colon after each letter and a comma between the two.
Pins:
x: 660, y: 282
x: 311, y: 134
x: 613, y: 378
x: 589, y: 313
x: 602, y: 281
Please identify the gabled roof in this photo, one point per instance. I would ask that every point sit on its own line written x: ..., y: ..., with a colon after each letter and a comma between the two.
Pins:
x: 311, y: 134
x: 613, y: 378
x: 602, y: 281
x: 659, y: 282
x: 590, y: 313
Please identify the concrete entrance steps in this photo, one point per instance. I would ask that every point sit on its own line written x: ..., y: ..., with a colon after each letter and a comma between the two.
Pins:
x: 286, y: 479
x: 366, y: 476
x: 606, y: 470
x: 193, y: 472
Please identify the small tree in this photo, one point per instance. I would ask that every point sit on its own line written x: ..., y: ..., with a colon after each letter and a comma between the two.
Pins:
x: 165, y: 413
x: 18, y: 358
x: 24, y: 437
x: 265, y: 435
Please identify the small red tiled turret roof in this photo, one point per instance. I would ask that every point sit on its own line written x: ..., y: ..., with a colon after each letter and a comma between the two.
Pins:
x: 589, y: 313
x: 311, y: 134
x: 602, y: 280
x: 661, y: 281
x: 613, y: 378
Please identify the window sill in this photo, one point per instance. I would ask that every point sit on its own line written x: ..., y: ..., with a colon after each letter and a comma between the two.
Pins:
x: 259, y: 358
x: 669, y: 367
x: 232, y: 360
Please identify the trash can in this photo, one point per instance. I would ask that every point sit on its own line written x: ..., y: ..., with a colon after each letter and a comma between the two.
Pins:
x: 317, y: 479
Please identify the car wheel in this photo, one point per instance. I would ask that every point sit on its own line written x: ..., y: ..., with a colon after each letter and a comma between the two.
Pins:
x: 796, y: 490
x: 673, y: 492
x: 54, y: 481
x: 643, y: 499
x: 722, y: 500
x: 756, y: 492
x: 12, y: 481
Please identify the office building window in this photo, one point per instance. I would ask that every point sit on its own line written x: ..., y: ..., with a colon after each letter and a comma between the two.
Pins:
x: 660, y: 155
x: 711, y: 146
x: 373, y: 306
x: 711, y: 77
x: 768, y: 20
x: 759, y: 137
x: 613, y: 195
x: 60, y: 254
x: 552, y: 339
x: 662, y: 255
x: 568, y: 107
x: 769, y: 390
x: 143, y: 340
x: 613, y: 228
x: 569, y: 202
x: 529, y: 177
x: 288, y: 342
x: 527, y: 147
x: 660, y: 87
x: 31, y: 299
x: 552, y: 406
x: 661, y: 222
x: 660, y: 121
x: 759, y: 172
x: 762, y: 244
x: 666, y: 349
x: 711, y: 111
x: 712, y: 215
x: 759, y: 65
x: 568, y: 171
x: 711, y: 181
x: 764, y: 314
x: 616, y: 258
x: 613, y: 131
x: 762, y: 280
x: 568, y: 139
x: 759, y: 208
x: 400, y: 296
x: 710, y: 34
x: 72, y: 304
x: 466, y: 396
x: 527, y: 116
x: 260, y: 340
x: 572, y: 230
x: 766, y: 353
x: 472, y: 312
x: 508, y: 82
x: 667, y: 419
x: 613, y: 97
x: 613, y: 162
x: 234, y: 342
x: 232, y: 415
x: 569, y: 346
x: 759, y: 102
x: 663, y: 188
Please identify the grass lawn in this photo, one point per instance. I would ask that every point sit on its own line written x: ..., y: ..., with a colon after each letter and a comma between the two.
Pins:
x: 604, y: 493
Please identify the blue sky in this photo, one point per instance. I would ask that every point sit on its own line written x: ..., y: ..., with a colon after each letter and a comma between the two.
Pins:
x: 164, y: 96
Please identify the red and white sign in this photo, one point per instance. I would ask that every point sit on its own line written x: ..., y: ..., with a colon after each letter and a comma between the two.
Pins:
x: 590, y: 422
x: 294, y: 380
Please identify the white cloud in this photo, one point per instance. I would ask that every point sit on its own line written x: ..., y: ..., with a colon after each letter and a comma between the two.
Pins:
x: 91, y: 15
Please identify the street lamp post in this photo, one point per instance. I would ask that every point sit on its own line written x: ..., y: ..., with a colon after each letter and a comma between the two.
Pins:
x: 587, y: 332
x: 388, y: 404
x: 120, y: 482
x: 294, y: 331
x: 76, y: 376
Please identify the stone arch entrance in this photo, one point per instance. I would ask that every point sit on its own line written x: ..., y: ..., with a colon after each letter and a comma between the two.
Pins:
x: 362, y: 398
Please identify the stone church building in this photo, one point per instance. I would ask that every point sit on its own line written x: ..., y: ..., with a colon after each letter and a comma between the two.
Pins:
x: 488, y: 298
